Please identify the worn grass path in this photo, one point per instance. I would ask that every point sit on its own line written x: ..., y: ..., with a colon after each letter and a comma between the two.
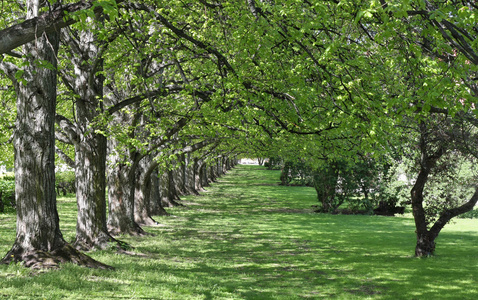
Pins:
x: 249, y: 238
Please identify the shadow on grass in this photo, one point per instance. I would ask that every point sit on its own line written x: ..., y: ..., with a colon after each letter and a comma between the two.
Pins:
x: 248, y: 238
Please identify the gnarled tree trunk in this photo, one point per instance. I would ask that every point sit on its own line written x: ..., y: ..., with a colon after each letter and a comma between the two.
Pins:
x: 142, y: 201
x: 157, y: 208
x: 90, y: 148
x: 121, y: 185
x: 39, y: 242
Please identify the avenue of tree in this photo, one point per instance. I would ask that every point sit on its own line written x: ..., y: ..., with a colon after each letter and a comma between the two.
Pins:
x: 150, y: 100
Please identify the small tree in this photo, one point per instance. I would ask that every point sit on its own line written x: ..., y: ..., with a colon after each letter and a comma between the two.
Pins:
x: 440, y: 193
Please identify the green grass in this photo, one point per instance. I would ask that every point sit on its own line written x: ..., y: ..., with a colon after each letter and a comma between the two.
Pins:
x: 249, y: 238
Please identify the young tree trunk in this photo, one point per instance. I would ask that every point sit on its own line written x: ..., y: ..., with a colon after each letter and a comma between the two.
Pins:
x: 39, y: 242
x: 425, y: 239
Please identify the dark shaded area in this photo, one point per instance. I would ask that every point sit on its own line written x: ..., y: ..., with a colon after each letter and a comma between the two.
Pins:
x: 39, y: 259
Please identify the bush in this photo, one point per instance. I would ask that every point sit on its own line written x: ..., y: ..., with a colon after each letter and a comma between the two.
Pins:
x: 274, y: 163
x: 472, y: 214
x: 65, y: 182
x: 8, y: 177
x: 7, y: 193
x: 296, y: 173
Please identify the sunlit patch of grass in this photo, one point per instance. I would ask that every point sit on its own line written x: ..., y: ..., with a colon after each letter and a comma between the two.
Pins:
x: 249, y: 238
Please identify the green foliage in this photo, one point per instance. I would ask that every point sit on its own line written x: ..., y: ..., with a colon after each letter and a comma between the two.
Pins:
x: 274, y: 163
x: 472, y: 214
x: 7, y: 192
x: 296, y: 173
x: 452, y: 184
x: 65, y: 182
x: 8, y: 177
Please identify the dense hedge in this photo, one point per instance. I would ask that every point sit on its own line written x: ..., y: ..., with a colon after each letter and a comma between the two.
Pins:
x: 7, y: 192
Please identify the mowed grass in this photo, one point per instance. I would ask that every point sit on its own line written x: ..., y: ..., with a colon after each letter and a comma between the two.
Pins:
x: 246, y: 237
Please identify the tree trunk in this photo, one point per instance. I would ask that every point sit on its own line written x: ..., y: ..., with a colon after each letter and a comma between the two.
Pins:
x: 168, y: 196
x: 191, y: 175
x: 157, y: 208
x: 425, y: 239
x: 212, y: 168
x: 120, y: 201
x: 205, y: 175
x: 39, y: 242
x: 178, y: 179
x: 198, y: 174
x: 142, y: 211
x: 90, y: 149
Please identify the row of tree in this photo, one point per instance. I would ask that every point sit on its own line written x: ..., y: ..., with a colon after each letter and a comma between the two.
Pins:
x: 126, y: 88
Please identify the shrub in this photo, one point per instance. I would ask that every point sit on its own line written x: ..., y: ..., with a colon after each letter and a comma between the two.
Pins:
x: 65, y: 182
x: 472, y: 214
x: 296, y: 173
x: 8, y: 177
x: 7, y: 193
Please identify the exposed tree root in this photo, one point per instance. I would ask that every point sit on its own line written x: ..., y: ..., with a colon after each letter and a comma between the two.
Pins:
x: 159, y: 211
x: 134, y: 230
x: 146, y: 221
x: 102, y: 242
x: 171, y: 203
x: 38, y: 259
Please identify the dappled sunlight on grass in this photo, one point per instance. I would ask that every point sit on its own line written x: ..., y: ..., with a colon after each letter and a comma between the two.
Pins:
x: 249, y: 238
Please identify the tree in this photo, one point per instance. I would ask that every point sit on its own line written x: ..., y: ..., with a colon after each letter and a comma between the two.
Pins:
x: 85, y: 82
x: 49, y: 22
x: 39, y: 242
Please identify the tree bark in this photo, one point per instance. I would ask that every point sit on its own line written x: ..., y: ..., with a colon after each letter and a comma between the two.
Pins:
x: 39, y: 242
x: 142, y: 201
x: 29, y: 30
x: 121, y: 183
x: 168, y: 195
x: 425, y: 239
x: 157, y: 208
x: 90, y: 147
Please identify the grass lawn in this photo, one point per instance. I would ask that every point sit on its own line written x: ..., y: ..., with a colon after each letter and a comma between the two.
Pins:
x: 246, y: 237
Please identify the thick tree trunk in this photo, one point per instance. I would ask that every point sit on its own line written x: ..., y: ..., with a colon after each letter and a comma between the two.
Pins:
x: 205, y: 180
x: 157, y: 208
x: 198, y: 174
x: 142, y: 211
x: 173, y: 193
x: 39, y: 242
x: 178, y: 179
x: 212, y: 168
x: 191, y: 175
x: 120, y: 201
x: 90, y: 150
x: 168, y: 196
x: 91, y: 229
